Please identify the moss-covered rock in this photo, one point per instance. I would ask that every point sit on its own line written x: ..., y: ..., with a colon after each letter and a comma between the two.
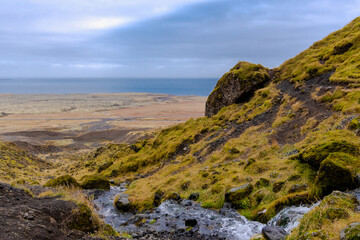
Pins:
x: 354, y: 124
x: 314, y: 155
x: 320, y: 219
x: 262, y: 182
x: 334, y: 174
x: 236, y: 86
x: 235, y: 196
x: 278, y: 186
x: 95, y: 182
x: 82, y: 219
x: 62, y: 181
x: 336, y: 213
x: 351, y: 232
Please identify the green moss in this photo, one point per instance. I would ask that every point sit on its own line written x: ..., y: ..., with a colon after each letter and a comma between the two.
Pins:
x: 335, y: 173
x: 354, y: 124
x: 238, y: 196
x: 63, y: 181
x: 95, y: 182
x: 82, y: 219
x: 333, y: 141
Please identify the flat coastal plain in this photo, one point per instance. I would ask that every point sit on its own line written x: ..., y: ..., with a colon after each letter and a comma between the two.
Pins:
x: 84, y: 121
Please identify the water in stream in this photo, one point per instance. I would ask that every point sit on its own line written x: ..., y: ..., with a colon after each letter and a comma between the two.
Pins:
x: 171, y: 216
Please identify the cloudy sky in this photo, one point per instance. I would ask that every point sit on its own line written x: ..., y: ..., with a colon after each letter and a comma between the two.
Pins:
x: 159, y: 38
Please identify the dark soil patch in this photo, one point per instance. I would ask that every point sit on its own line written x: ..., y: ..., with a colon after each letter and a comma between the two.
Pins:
x: 24, y: 217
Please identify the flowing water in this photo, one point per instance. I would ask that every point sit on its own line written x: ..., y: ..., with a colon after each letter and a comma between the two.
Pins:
x: 171, y: 216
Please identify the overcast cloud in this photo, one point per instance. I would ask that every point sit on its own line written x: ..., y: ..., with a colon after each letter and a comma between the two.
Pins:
x: 158, y: 38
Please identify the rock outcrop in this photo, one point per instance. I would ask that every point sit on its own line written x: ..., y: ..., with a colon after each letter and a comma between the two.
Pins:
x: 236, y: 86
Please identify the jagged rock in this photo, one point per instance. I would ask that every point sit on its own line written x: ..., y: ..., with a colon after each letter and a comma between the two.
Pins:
x: 236, y: 86
x: 351, y: 232
x: 274, y: 233
x: 194, y: 196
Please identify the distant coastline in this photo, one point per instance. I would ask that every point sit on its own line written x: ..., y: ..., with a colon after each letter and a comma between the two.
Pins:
x: 173, y: 86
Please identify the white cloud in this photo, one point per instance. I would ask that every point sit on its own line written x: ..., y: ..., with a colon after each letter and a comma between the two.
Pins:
x: 64, y: 16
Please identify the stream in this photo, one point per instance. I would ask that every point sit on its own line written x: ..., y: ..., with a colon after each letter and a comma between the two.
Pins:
x: 171, y: 216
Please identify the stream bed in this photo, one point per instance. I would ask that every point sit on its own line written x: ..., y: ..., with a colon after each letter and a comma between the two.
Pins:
x: 172, y: 216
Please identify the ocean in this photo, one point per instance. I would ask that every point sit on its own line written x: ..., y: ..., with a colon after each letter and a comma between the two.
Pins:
x: 180, y: 86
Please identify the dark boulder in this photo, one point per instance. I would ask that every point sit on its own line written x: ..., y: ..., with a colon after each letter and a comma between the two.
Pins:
x: 194, y: 196
x: 236, y: 86
x: 274, y: 233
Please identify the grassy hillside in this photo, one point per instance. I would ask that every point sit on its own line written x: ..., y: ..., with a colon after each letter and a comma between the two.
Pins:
x: 338, y: 53
x: 17, y: 164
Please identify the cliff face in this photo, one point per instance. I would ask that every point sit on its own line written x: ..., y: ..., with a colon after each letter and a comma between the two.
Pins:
x: 236, y: 86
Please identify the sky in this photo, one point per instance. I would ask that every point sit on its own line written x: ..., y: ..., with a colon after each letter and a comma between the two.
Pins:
x: 159, y: 38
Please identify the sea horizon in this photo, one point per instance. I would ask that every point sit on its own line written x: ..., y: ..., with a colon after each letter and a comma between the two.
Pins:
x: 93, y: 85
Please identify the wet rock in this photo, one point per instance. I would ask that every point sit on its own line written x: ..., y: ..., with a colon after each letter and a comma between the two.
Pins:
x: 236, y: 86
x: 298, y: 188
x: 191, y: 222
x: 350, y: 232
x: 274, y: 233
x: 235, y: 195
x: 186, y: 203
x: 278, y: 186
x: 158, y: 196
x: 194, y: 196
x: 123, y: 204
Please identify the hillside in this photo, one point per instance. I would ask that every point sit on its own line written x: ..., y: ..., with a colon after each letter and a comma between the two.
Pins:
x: 284, y: 136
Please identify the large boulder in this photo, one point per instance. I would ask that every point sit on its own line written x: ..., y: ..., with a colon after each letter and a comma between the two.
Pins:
x: 236, y: 86
x: 95, y: 182
x: 335, y: 173
x: 62, y: 181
